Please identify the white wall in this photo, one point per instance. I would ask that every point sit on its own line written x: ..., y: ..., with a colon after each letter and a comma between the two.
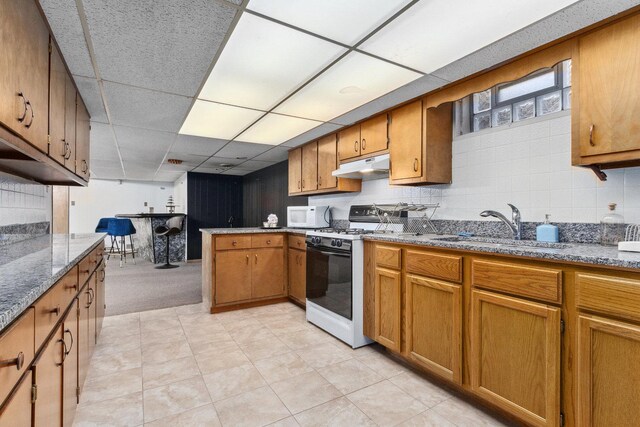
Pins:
x: 527, y: 164
x: 104, y: 198
x: 180, y: 193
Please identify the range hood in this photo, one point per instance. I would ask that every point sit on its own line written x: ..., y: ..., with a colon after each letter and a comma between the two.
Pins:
x: 372, y: 168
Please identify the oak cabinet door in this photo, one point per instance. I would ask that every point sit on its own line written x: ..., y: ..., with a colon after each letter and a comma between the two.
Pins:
x: 24, y: 71
x: 609, y: 64
x: 373, y: 135
x: 310, y: 167
x: 388, y: 303
x: 83, y: 129
x: 48, y: 380
x: 17, y: 411
x: 298, y: 275
x: 82, y: 341
x: 233, y: 276
x: 267, y: 273
x: 434, y: 326
x: 70, y: 124
x: 327, y: 162
x: 57, y: 107
x: 295, y: 171
x: 100, y: 297
x: 70, y: 366
x: 349, y: 143
x: 92, y: 312
x: 608, y: 373
x: 405, y: 142
x: 515, y: 356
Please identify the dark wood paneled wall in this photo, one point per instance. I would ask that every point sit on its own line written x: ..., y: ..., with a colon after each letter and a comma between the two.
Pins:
x: 211, y: 200
x: 267, y: 191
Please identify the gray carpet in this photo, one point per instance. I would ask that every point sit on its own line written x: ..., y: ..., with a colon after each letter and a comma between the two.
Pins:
x: 141, y: 287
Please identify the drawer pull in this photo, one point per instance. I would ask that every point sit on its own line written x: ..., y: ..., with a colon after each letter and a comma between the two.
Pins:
x: 104, y: 275
x: 415, y: 165
x: 65, y: 351
x: 234, y: 243
x: 256, y: 258
x: 30, y: 107
x: 247, y: 259
x: 55, y: 311
x: 24, y: 109
x: 591, y: 141
x: 269, y: 242
x: 74, y: 287
x: 68, y: 331
x: 18, y: 362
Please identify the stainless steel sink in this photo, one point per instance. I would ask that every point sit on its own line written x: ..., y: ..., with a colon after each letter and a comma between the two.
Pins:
x: 493, y: 242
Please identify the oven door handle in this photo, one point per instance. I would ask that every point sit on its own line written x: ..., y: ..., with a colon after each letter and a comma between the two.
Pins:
x: 328, y: 253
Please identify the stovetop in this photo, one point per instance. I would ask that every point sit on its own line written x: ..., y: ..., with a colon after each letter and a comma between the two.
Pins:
x: 347, y: 231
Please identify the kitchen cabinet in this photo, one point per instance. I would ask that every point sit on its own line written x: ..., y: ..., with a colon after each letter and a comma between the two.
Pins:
x: 70, y: 124
x: 388, y: 297
x: 363, y: 139
x: 17, y: 410
x: 83, y: 129
x: 70, y: 365
x: 100, y: 297
x: 248, y: 268
x: 86, y: 328
x: 48, y: 382
x: 516, y: 342
x: 434, y: 325
x: 57, y: 107
x: 605, y: 106
x: 310, y: 166
x: 295, y: 171
x: 420, y: 144
x: 24, y: 67
x: 16, y: 351
x: 298, y: 275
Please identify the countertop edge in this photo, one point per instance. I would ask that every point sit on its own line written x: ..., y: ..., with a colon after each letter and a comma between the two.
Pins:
x: 251, y: 230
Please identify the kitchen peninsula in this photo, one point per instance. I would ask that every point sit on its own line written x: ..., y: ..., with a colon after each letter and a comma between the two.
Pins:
x: 152, y: 247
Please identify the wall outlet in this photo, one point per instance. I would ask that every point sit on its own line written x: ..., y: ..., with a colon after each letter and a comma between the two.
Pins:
x: 146, y: 204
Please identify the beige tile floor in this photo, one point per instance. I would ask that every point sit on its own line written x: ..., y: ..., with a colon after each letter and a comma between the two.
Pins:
x: 255, y: 367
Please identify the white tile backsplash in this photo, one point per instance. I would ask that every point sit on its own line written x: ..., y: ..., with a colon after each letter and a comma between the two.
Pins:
x: 23, y: 202
x: 527, y: 164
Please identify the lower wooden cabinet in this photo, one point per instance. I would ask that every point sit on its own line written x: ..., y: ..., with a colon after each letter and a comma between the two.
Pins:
x: 515, y: 356
x: 17, y: 411
x: 233, y: 276
x: 608, y: 373
x: 267, y: 273
x: 100, y: 303
x: 388, y: 297
x: 70, y: 365
x: 298, y: 275
x: 433, y: 313
x: 48, y: 382
x: 84, y: 352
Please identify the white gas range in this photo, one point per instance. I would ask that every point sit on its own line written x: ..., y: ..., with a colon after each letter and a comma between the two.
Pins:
x: 335, y: 273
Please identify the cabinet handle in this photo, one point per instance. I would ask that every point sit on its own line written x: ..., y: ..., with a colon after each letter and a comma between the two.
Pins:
x: 320, y: 180
x: 269, y: 242
x: 65, y: 352
x: 68, y: 331
x: 30, y: 107
x: 104, y: 275
x: 415, y: 165
x: 364, y: 144
x: 22, y: 116
x: 68, y: 151
x: 355, y: 146
x: 303, y: 183
x: 256, y: 258
x: 55, y: 311
x: 74, y: 287
x: 247, y: 259
x: 18, y: 362
x: 299, y: 188
x: 234, y: 243
x: 591, y: 141
x: 85, y: 166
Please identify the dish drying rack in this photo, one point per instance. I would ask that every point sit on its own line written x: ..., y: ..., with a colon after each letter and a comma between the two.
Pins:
x: 631, y: 241
x: 415, y: 218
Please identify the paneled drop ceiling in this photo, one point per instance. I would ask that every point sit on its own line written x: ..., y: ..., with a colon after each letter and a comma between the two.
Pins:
x: 229, y: 86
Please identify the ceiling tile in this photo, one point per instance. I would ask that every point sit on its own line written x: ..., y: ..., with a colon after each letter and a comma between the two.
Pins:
x: 263, y: 62
x: 237, y: 172
x: 343, y: 21
x: 103, y: 143
x: 106, y: 173
x: 215, y: 162
x: 213, y: 120
x: 64, y: 20
x: 255, y: 165
x: 274, y: 129
x: 143, y: 108
x: 205, y: 169
x: 167, y: 176
x: 276, y: 154
x: 175, y: 168
x: 197, y: 145
x: 242, y: 149
x: 187, y: 159
x: 353, y: 81
x: 165, y: 45
x: 146, y: 140
x: 90, y: 92
x: 432, y: 34
x: 315, y: 133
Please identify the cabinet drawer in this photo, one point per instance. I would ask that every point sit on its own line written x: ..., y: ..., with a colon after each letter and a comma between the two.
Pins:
x: 267, y: 240
x: 297, y: 242
x: 17, y: 351
x: 530, y: 282
x: 69, y: 288
x: 609, y: 295
x: 438, y: 266
x: 233, y: 242
x: 84, y: 269
x: 49, y: 310
x: 387, y: 256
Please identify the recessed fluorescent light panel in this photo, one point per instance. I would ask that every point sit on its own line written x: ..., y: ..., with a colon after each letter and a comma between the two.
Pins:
x: 343, y: 21
x: 263, y: 62
x: 354, y: 80
x: 435, y: 33
x: 274, y: 129
x: 213, y: 120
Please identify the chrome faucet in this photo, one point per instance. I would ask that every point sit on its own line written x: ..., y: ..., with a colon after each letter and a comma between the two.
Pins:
x: 515, y: 224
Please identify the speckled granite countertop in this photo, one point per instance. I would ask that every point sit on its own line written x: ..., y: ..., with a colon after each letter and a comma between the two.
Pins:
x: 249, y: 230
x: 29, y: 268
x: 569, y: 252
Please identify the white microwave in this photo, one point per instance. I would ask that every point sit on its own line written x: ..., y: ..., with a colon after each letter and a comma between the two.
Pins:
x: 308, y: 216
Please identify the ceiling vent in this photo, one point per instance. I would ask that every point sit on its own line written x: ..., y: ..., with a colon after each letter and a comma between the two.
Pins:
x: 174, y: 161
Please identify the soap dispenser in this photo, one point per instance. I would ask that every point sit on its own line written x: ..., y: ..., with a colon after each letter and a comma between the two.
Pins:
x: 547, y: 232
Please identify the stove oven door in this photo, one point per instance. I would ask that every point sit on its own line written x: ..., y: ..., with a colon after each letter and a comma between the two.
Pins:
x: 329, y: 279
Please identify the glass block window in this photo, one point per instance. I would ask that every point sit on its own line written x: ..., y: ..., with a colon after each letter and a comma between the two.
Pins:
x: 544, y: 92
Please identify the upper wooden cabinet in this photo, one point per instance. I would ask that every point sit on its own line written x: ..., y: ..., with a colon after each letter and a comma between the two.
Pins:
x: 606, y: 107
x: 83, y: 129
x: 62, y: 113
x: 363, y: 139
x: 311, y: 167
x: 420, y: 144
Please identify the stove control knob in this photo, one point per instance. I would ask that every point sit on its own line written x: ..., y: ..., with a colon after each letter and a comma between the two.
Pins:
x: 339, y: 243
x: 333, y: 242
x: 316, y: 240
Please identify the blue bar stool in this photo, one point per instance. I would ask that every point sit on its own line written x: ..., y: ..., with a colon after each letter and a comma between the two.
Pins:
x: 103, y: 227
x: 121, y: 227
